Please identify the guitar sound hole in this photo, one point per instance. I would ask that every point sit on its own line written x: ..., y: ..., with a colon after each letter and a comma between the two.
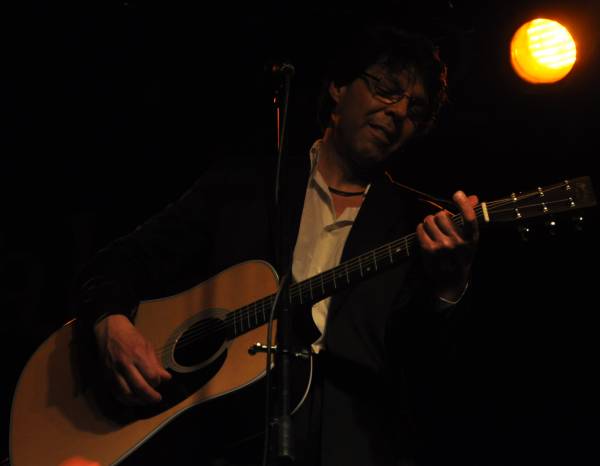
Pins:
x: 201, y: 341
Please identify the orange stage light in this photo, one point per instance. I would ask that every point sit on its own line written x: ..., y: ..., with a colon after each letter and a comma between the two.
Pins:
x: 542, y: 51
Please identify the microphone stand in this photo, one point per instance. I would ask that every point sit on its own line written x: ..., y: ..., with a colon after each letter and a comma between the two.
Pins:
x: 280, y: 421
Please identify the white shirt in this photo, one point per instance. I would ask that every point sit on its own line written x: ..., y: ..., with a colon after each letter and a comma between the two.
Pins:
x: 321, y: 237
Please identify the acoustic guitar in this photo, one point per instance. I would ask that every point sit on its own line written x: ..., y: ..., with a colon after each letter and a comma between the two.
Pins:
x: 204, y: 337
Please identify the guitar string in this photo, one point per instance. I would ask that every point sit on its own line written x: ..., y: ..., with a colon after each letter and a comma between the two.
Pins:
x: 242, y: 314
x: 380, y: 252
x: 529, y: 206
x: 351, y: 266
x: 384, y: 250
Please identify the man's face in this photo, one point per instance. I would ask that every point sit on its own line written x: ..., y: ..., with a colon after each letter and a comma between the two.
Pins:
x: 376, y: 114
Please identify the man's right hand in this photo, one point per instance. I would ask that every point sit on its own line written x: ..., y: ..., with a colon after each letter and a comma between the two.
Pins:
x: 131, y: 364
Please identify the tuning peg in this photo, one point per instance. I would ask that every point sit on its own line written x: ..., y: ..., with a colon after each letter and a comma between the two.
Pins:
x: 551, y: 227
x: 525, y: 233
x: 578, y: 222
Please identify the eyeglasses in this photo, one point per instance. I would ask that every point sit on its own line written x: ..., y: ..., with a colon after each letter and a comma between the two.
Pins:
x: 389, y: 94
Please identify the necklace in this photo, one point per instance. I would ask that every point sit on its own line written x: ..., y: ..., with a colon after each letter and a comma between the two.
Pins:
x: 345, y: 193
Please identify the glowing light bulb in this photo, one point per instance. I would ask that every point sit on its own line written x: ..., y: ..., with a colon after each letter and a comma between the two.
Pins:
x: 542, y: 51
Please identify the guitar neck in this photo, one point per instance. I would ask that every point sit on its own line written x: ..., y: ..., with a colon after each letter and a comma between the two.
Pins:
x: 347, y: 274
x: 565, y: 196
x: 360, y: 268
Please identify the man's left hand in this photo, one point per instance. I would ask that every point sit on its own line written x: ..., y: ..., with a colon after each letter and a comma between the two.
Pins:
x: 449, y: 249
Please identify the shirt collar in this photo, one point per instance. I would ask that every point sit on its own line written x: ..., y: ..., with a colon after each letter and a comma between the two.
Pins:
x: 314, y: 153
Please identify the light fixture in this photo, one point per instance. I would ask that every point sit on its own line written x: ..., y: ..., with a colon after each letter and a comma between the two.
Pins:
x: 542, y: 51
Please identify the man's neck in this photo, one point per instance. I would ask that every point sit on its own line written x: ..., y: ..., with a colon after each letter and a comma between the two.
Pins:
x: 335, y: 169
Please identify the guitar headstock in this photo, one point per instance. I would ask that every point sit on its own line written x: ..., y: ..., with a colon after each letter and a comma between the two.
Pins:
x: 568, y: 195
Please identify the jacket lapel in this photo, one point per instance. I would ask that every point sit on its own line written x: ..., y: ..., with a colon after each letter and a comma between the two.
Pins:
x: 385, y: 215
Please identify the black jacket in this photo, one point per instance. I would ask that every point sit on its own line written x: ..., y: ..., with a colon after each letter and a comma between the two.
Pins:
x: 380, y: 334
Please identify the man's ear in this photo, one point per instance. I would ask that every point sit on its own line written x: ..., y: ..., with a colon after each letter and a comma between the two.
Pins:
x: 336, y: 92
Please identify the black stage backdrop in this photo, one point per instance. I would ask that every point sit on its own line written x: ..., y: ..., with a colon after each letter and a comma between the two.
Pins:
x: 111, y: 109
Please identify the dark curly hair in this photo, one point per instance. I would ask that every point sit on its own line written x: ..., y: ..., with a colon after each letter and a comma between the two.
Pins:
x: 394, y: 48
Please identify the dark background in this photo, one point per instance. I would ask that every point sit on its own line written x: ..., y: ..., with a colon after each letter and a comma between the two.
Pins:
x: 110, y: 110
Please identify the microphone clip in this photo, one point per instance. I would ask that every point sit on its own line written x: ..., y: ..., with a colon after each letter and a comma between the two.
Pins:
x: 281, y: 69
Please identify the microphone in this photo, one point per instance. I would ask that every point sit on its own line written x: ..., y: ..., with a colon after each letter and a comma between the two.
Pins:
x: 281, y: 69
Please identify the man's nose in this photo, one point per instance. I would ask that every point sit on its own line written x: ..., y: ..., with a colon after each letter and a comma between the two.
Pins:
x: 400, y: 108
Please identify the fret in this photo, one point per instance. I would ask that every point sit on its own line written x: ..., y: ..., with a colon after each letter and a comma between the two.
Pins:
x: 390, y: 253
x: 322, y: 284
x: 249, y: 324
x: 375, y: 260
x: 241, y: 321
x: 310, y: 289
x: 263, y: 312
x: 406, y: 246
x: 346, y: 269
x: 255, y: 316
x: 300, y: 294
x: 360, y: 266
x: 334, y: 284
x: 234, y: 326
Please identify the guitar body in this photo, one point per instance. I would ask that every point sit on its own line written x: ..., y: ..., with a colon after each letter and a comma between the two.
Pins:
x: 57, y: 416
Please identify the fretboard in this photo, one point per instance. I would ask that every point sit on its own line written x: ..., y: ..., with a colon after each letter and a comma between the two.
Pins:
x: 321, y: 286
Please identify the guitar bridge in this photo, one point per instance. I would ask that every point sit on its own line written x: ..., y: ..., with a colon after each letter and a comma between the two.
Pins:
x: 260, y: 348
